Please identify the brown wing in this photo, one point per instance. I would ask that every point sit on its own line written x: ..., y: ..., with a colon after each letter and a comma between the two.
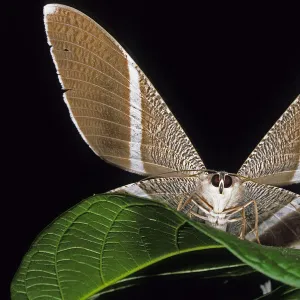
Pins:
x: 278, y: 214
x: 282, y: 228
x: 114, y: 106
x: 276, y: 158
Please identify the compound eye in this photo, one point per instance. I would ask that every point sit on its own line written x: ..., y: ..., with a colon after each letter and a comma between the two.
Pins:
x: 215, y: 180
x: 227, y: 181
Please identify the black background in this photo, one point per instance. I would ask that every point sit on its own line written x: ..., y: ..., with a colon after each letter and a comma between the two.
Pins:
x: 226, y: 72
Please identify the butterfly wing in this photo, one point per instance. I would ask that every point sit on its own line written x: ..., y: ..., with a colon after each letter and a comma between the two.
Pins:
x: 282, y: 228
x: 169, y: 190
x: 276, y: 158
x: 114, y: 106
x: 278, y: 214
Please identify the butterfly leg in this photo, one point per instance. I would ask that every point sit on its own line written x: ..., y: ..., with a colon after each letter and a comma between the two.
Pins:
x: 205, y: 203
x: 235, y: 210
x: 183, y: 203
x: 207, y: 212
x: 200, y: 207
x: 243, y: 230
x: 255, y: 229
x: 198, y: 216
x: 191, y: 212
x: 242, y: 218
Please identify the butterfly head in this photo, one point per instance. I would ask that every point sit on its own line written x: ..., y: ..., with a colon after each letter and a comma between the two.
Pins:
x: 220, y: 190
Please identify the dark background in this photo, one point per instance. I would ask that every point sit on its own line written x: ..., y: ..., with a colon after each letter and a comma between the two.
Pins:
x: 226, y: 72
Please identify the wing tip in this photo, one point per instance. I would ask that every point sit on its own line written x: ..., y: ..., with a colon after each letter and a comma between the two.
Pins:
x: 50, y: 9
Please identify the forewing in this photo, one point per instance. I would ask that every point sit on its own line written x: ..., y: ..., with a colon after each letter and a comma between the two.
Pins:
x: 169, y: 190
x: 276, y: 158
x: 112, y: 103
x: 278, y: 214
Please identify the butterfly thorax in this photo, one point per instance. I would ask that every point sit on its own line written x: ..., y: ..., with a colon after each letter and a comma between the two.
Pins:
x: 217, y: 193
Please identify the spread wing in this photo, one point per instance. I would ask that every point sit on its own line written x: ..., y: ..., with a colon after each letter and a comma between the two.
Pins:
x: 282, y: 229
x: 114, y: 106
x: 278, y: 214
x: 276, y: 158
x: 170, y: 190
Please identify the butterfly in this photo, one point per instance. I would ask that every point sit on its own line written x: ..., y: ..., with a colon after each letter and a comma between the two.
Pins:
x: 124, y: 120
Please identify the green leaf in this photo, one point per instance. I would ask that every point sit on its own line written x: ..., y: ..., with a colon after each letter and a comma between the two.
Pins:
x: 282, y: 264
x: 107, y: 238
x: 98, y: 242
x: 186, y: 283
x: 208, y: 264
